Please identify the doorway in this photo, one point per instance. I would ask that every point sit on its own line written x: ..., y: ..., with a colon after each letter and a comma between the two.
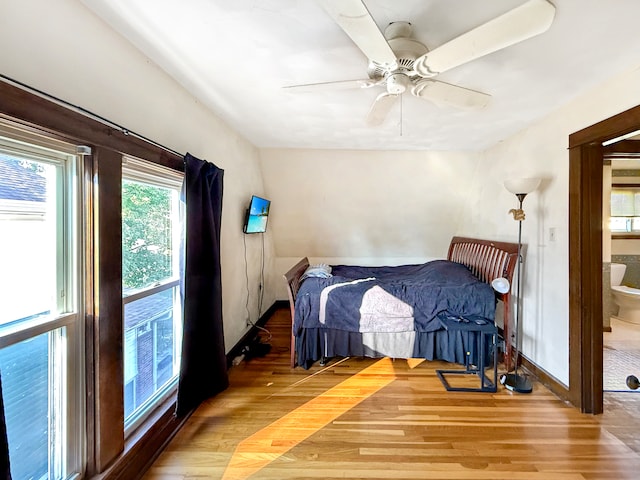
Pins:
x: 586, y: 155
x: 621, y: 245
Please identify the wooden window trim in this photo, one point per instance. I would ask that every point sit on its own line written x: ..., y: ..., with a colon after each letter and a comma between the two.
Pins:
x: 108, y: 454
x: 625, y: 236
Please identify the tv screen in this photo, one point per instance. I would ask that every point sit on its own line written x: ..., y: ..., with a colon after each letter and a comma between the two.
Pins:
x: 257, y: 215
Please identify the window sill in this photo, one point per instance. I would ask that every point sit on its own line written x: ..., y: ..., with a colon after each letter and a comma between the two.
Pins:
x: 145, y: 443
x: 625, y: 236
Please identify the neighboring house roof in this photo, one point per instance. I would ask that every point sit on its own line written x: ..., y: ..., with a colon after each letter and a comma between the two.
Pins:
x: 146, y: 308
x: 18, y: 182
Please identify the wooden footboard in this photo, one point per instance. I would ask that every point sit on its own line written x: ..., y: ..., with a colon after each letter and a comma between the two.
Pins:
x: 487, y: 260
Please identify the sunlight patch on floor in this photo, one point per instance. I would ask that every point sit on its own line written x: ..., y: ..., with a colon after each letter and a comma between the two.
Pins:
x: 268, y: 444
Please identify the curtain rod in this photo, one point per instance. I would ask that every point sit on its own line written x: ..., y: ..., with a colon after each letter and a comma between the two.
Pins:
x: 87, y: 113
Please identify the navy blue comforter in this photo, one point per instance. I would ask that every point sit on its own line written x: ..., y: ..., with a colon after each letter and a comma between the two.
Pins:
x: 428, y: 289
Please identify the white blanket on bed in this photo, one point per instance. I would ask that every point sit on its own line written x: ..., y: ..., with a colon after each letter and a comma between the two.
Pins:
x: 379, y: 312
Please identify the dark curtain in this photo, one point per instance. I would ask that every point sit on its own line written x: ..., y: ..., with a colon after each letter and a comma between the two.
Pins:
x: 203, y: 368
x: 5, y: 470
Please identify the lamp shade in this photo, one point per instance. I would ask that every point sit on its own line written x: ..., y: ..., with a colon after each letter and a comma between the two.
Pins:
x: 522, y: 185
x: 501, y: 285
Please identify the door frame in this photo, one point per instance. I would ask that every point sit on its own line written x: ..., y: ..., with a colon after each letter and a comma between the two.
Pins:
x: 586, y: 156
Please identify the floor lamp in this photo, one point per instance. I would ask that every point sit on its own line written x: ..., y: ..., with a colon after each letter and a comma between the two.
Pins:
x: 520, y: 187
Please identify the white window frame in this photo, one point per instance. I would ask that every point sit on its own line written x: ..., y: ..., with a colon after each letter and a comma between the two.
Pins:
x: 149, y: 173
x: 632, y: 217
x: 65, y: 326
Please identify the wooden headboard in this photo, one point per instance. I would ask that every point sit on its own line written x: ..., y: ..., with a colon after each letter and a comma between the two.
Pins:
x: 487, y: 260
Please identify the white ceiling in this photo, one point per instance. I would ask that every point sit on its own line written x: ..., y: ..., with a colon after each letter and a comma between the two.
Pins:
x: 236, y: 55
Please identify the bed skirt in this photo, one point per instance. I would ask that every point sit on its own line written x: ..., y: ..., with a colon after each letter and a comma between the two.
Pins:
x: 313, y: 344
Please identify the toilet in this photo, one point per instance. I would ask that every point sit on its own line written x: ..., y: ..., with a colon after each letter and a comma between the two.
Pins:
x: 627, y: 298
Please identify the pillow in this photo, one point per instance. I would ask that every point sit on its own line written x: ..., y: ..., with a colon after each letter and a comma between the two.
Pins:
x: 320, y: 270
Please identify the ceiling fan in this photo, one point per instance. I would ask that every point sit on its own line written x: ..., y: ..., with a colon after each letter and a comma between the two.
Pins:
x: 399, y: 63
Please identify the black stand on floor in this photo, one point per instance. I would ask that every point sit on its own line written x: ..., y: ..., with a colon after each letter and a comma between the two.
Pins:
x: 481, y: 328
x: 516, y: 383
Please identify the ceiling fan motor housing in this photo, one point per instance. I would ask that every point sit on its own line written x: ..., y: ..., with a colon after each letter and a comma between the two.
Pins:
x: 406, y: 51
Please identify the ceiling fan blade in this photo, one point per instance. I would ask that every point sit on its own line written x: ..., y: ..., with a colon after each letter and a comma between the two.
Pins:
x: 333, y: 86
x: 380, y: 108
x: 354, y: 18
x: 523, y: 22
x: 442, y: 93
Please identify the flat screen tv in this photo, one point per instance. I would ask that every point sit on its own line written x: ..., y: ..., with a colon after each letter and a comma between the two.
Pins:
x: 257, y: 214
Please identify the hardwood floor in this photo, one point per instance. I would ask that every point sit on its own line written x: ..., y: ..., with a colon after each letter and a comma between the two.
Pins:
x: 383, y: 419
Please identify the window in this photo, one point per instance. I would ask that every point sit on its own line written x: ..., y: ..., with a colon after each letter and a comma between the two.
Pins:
x: 625, y: 209
x: 150, y: 284
x: 40, y: 323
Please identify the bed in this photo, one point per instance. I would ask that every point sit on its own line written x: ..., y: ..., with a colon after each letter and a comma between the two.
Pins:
x: 397, y: 311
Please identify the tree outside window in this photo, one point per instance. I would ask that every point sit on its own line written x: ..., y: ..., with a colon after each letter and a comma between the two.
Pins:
x: 150, y: 284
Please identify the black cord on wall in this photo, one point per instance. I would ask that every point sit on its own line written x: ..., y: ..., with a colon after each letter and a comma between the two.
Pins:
x: 261, y: 287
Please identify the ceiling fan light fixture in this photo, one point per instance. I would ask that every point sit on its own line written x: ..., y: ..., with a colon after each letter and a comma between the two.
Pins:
x: 397, y: 83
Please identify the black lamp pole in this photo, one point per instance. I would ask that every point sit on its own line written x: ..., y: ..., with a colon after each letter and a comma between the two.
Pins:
x: 514, y: 381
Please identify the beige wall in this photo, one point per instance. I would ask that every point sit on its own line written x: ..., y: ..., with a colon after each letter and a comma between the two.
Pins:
x: 541, y: 150
x: 363, y: 207
x: 625, y: 247
x: 68, y: 52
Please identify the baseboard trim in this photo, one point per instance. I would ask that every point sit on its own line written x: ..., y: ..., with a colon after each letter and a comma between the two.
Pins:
x: 254, y: 330
x: 548, y: 380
